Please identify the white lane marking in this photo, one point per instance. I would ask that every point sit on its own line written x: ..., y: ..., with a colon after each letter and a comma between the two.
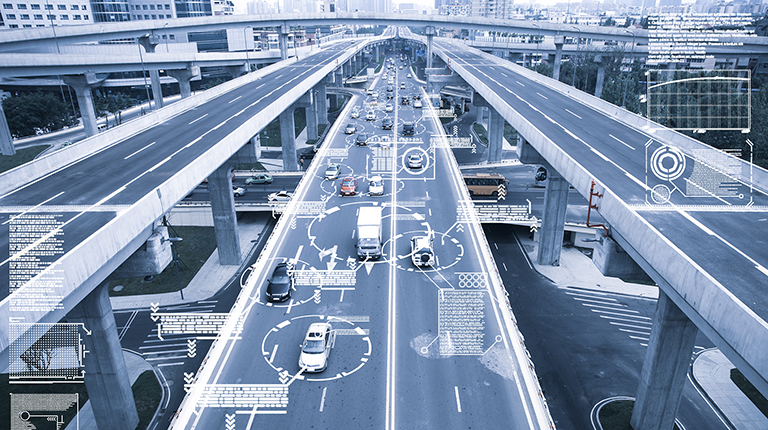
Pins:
x: 128, y: 325
x: 622, y: 142
x: 624, y: 319
x: 32, y: 209
x: 573, y: 114
x: 170, y: 364
x: 505, y: 266
x: 341, y: 299
x: 639, y: 327
x: 198, y: 119
x: 235, y: 99
x: 542, y: 96
x: 634, y: 331
x: 495, y: 246
x: 504, y: 74
x: 261, y: 86
x: 458, y: 401
x: 322, y: 399
x: 290, y: 305
x: 139, y: 150
x: 520, y: 83
x: 522, y: 251
x: 621, y: 315
x: 272, y: 356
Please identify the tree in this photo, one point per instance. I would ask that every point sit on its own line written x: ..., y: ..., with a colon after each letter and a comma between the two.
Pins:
x: 29, y: 113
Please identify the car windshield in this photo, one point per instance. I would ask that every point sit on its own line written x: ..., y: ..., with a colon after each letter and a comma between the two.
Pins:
x: 347, y: 183
x: 375, y: 183
x: 368, y: 243
x: 313, y: 347
x: 280, y: 279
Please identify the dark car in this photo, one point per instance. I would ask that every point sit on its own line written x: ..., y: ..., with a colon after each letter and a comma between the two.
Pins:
x: 404, y: 100
x: 387, y: 124
x: 361, y: 140
x: 408, y: 129
x: 279, y: 285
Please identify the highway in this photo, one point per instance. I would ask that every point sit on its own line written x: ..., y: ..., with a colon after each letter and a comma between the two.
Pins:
x: 98, y: 187
x: 714, y: 222
x: 395, y: 363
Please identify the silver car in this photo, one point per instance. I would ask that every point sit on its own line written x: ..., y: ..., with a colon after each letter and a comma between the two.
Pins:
x: 316, y: 347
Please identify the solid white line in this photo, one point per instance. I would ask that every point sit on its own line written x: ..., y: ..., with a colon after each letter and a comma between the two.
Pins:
x: 573, y: 114
x: 622, y: 315
x: 639, y: 338
x: 634, y: 331
x: 611, y: 308
x: 198, y: 119
x: 139, y: 150
x: 630, y: 325
x: 235, y: 99
x: 322, y: 399
x: 496, y: 246
x: 163, y: 346
x: 522, y: 251
x: 626, y: 320
x: 128, y: 324
x: 170, y: 364
x: 542, y: 95
x: 621, y: 141
x: 505, y: 266
x: 458, y: 402
x: 609, y: 301
x: 272, y: 356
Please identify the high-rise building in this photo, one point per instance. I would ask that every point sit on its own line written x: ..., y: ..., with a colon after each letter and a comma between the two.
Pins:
x: 190, y: 8
x: 500, y: 9
x: 152, y: 9
x: 259, y: 7
x: 36, y: 13
x: 111, y: 10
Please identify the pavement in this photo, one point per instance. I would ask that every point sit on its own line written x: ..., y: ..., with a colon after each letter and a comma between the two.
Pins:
x: 710, y: 369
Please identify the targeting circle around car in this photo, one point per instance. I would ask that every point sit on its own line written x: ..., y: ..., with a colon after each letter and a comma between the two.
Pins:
x: 667, y: 163
x: 408, y: 165
x: 447, y: 251
x: 349, y: 347
x: 299, y: 296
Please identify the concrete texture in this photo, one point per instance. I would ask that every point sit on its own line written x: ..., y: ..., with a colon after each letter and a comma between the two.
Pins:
x: 553, y: 219
x: 136, y: 365
x: 6, y: 141
x: 83, y: 84
x: 288, y: 139
x: 611, y: 259
x: 106, y: 376
x: 224, y: 215
x: 559, y: 40
x: 662, y: 379
x: 495, y: 136
x: 150, y: 259
x: 712, y: 371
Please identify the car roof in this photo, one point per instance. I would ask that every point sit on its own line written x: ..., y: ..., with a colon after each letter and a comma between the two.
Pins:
x: 317, y: 328
x: 333, y: 165
x: 375, y: 178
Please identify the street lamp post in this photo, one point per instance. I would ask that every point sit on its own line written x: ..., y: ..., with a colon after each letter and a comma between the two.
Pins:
x: 626, y: 82
x: 537, y: 40
x: 144, y: 70
x: 578, y: 43
x: 175, y: 252
x: 166, y: 38
x: 245, y: 38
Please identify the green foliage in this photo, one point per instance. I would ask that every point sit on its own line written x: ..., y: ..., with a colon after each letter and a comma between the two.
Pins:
x: 114, y: 104
x: 27, y: 114
x: 147, y: 394
x: 22, y: 156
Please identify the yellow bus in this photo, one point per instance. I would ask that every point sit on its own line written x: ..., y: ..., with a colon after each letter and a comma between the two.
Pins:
x: 485, y: 184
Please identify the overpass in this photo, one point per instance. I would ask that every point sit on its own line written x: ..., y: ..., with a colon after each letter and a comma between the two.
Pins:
x: 697, y: 243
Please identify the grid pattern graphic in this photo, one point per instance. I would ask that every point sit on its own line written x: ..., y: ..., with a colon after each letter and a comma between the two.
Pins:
x: 700, y: 100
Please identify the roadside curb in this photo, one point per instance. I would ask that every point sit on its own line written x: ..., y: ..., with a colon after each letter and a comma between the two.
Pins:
x: 595, y: 412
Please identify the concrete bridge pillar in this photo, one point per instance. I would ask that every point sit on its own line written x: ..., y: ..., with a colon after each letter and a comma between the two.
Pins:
x: 184, y: 76
x: 559, y: 40
x: 224, y: 216
x: 321, y: 100
x: 311, y: 113
x: 288, y: 139
x: 553, y: 218
x: 106, y: 377
x: 495, y: 128
x: 378, y: 55
x: 667, y: 358
x: 149, y: 42
x: 6, y: 140
x: 82, y: 84
x: 256, y: 142
x: 430, y: 31
x: 600, y: 75
x: 284, y: 32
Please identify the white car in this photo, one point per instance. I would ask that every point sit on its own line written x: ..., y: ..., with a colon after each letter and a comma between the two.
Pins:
x: 355, y: 114
x: 390, y: 108
x: 417, y: 104
x: 409, y: 76
x: 422, y: 254
x: 370, y: 116
x: 402, y: 85
x: 316, y: 347
x: 280, y: 196
x: 414, y: 161
x: 238, y: 191
x: 375, y: 95
x: 375, y: 186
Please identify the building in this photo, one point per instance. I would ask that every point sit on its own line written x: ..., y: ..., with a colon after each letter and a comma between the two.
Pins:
x: 152, y: 9
x: 500, y: 9
x: 456, y: 9
x: 259, y: 7
x: 28, y: 14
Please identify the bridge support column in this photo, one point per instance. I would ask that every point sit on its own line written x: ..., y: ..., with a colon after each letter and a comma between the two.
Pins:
x: 600, y: 75
x: 288, y: 139
x: 106, y: 377
x: 665, y: 368
x: 284, y: 31
x: 322, y: 102
x: 430, y: 31
x: 184, y: 76
x: 6, y: 140
x: 157, y: 88
x: 553, y: 219
x: 256, y: 142
x: 495, y: 135
x: 82, y: 84
x: 224, y: 216
x: 559, y: 41
x: 311, y: 113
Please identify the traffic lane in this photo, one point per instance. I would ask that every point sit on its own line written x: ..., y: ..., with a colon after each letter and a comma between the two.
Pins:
x: 421, y: 289
x: 81, y: 176
x: 581, y: 356
x: 736, y: 270
x: 73, y: 229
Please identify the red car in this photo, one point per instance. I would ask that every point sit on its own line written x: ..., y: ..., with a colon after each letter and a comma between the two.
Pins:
x: 348, y: 186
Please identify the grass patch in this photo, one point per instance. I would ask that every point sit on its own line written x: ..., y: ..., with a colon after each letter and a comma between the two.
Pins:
x: 194, y: 250
x: 249, y: 166
x: 481, y: 133
x: 147, y: 394
x: 8, y: 162
x: 616, y: 415
x: 750, y: 391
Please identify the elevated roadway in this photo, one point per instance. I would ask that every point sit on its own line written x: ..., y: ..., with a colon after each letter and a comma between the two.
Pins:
x: 105, y: 193
x: 690, y: 215
x: 431, y: 347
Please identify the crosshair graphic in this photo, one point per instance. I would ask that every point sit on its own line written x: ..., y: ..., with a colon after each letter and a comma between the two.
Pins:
x: 667, y: 163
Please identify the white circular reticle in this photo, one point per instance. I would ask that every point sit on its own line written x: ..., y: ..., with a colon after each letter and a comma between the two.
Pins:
x: 667, y: 163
